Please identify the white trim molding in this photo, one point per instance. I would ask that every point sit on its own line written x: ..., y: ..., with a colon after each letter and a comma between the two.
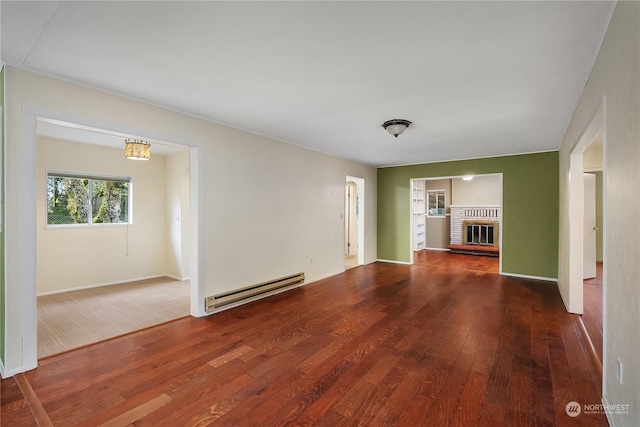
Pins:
x: 526, y: 276
x: 390, y: 261
x: 99, y: 285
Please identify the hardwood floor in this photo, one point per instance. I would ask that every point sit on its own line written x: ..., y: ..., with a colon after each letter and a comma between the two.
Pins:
x: 447, y: 343
x: 453, y: 261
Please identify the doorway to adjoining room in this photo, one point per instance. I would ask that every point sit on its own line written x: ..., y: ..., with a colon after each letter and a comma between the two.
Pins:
x: 587, y: 263
x: 457, y: 214
x: 353, y: 222
x: 113, y: 237
x: 593, y: 267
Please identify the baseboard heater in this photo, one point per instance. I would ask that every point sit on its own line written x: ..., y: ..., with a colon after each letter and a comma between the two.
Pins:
x: 220, y: 300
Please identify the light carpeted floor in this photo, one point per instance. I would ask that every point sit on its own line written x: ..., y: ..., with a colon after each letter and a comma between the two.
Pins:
x: 74, y: 319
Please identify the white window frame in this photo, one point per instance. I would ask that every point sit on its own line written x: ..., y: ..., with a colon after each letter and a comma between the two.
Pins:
x: 91, y: 178
x: 437, y: 192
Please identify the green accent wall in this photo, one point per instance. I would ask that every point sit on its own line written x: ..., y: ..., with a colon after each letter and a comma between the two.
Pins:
x: 530, y: 208
x: 2, y: 320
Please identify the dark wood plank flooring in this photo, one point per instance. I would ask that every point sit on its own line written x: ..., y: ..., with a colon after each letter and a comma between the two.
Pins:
x: 15, y: 409
x: 446, y: 342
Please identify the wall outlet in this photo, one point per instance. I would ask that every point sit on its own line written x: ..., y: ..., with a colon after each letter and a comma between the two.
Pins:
x: 310, y: 260
x: 619, y: 371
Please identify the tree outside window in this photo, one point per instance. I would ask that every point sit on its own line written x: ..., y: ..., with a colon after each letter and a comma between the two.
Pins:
x: 436, y: 203
x: 87, y: 200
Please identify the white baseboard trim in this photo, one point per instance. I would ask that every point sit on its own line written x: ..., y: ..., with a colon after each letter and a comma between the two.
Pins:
x: 439, y: 249
x: 118, y: 282
x: 526, y: 276
x: 315, y: 279
x: 177, y: 278
x: 393, y: 261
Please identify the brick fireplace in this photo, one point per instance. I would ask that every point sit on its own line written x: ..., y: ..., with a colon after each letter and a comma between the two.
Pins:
x: 477, y: 227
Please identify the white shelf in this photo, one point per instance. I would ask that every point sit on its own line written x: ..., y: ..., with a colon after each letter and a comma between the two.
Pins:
x: 418, y: 201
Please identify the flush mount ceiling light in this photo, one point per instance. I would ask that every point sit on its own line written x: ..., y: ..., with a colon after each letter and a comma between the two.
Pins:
x: 137, y: 149
x: 467, y: 178
x: 396, y: 126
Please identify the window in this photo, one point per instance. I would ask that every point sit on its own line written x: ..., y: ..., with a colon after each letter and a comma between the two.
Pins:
x: 87, y: 200
x: 435, y: 203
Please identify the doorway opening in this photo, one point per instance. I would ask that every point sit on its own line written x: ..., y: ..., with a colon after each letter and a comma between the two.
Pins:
x: 587, y: 283
x: 97, y: 279
x: 458, y: 214
x: 354, y: 222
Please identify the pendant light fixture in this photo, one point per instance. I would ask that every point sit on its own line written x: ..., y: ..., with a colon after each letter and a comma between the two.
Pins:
x: 137, y: 149
x: 396, y: 126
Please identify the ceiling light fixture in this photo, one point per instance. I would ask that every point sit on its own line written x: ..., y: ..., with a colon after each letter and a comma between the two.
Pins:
x: 396, y: 126
x: 467, y: 178
x: 137, y: 149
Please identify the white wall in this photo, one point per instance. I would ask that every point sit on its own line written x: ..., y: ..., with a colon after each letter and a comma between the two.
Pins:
x: 616, y: 77
x: 76, y: 256
x: 592, y: 158
x: 177, y: 215
x: 263, y: 208
x: 481, y: 190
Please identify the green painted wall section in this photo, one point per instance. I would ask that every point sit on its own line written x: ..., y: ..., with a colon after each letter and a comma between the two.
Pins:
x: 2, y: 320
x: 530, y: 208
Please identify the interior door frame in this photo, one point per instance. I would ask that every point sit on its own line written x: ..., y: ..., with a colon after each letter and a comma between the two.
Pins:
x: 589, y: 242
x: 350, y: 218
x: 360, y: 207
x: 437, y: 178
x: 576, y: 207
x: 27, y: 312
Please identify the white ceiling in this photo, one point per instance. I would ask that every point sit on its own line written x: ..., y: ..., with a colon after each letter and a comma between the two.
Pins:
x: 476, y: 78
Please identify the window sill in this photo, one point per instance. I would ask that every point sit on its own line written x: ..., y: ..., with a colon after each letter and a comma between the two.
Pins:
x: 85, y: 226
